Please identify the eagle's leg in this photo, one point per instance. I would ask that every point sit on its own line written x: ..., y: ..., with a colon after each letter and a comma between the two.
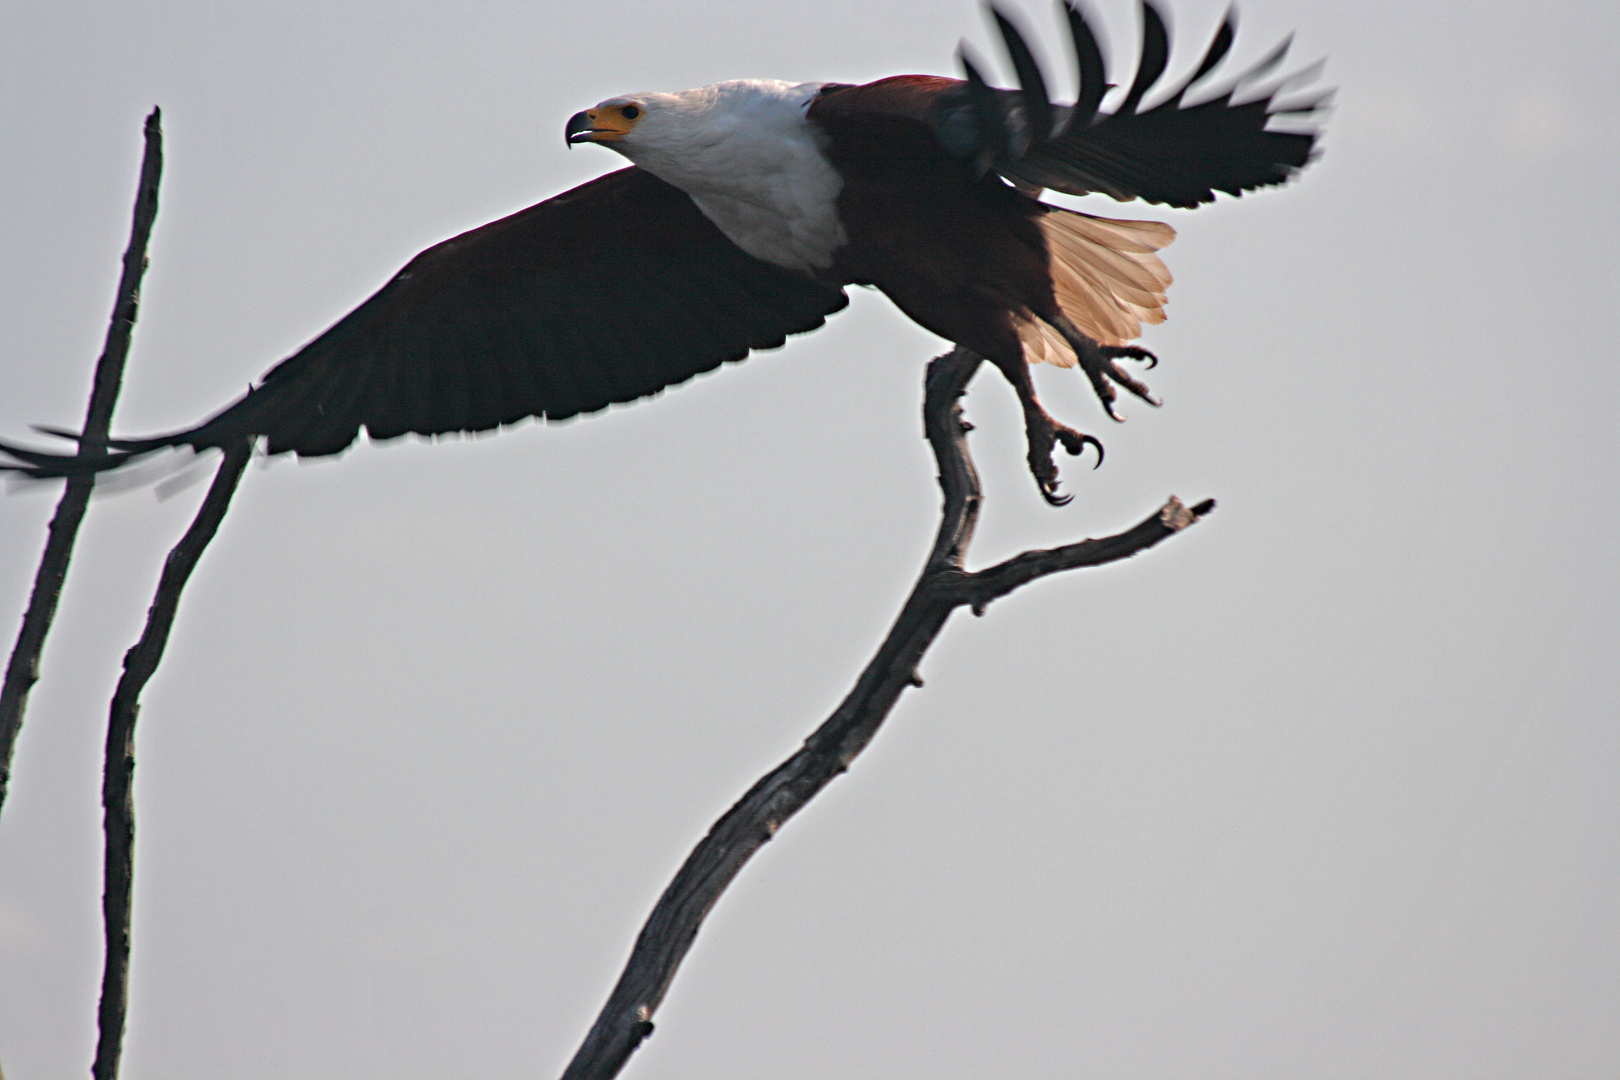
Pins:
x: 1101, y: 363
x: 1044, y: 433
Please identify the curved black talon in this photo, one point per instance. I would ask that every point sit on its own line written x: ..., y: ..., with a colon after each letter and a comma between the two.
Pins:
x: 1053, y: 498
x: 1075, y: 442
x: 1107, y: 397
x: 1045, y: 434
x: 1099, y: 369
x: 1044, y: 470
x: 1129, y: 382
x: 1131, y: 352
x: 1101, y: 364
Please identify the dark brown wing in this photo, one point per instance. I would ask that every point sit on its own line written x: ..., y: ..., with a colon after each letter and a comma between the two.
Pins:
x: 606, y: 293
x: 1173, y: 153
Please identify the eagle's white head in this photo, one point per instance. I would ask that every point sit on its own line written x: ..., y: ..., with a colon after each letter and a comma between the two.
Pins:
x: 746, y: 153
x: 694, y: 131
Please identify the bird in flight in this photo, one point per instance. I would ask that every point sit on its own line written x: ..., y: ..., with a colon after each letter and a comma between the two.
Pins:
x: 748, y: 208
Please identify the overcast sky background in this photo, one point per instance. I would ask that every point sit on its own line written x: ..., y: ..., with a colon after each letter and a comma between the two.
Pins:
x: 1327, y: 787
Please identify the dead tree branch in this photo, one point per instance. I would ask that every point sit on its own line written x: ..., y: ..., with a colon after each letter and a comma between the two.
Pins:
x: 23, y: 669
x: 117, y: 790
x: 944, y: 586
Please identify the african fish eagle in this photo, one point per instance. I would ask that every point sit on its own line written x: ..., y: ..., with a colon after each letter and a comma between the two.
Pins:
x: 748, y: 208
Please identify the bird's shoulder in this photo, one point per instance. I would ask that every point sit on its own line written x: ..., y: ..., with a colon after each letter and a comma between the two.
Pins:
x: 888, y: 130
x: 899, y: 97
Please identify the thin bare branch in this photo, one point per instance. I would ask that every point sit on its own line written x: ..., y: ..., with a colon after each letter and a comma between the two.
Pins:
x: 668, y: 934
x: 117, y: 790
x: 23, y: 669
x: 994, y: 582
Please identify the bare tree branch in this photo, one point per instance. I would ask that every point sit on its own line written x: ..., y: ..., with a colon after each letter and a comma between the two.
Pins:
x: 626, y: 1019
x: 23, y: 669
x: 117, y: 794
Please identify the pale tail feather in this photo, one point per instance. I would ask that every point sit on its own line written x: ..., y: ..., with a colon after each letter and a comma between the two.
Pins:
x: 1106, y: 278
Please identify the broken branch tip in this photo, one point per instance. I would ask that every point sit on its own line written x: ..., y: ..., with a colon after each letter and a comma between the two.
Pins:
x: 1176, y: 515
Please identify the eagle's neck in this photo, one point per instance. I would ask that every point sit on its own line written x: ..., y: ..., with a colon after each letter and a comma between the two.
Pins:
x: 746, y: 154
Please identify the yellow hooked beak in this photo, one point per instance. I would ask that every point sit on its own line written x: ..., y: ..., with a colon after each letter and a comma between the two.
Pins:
x: 605, y: 123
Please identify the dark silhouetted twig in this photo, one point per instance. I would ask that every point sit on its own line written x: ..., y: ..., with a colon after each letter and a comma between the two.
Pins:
x: 23, y: 669
x: 626, y: 1019
x: 117, y: 797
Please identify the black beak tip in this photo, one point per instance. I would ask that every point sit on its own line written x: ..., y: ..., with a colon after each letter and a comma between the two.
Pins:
x: 578, y: 124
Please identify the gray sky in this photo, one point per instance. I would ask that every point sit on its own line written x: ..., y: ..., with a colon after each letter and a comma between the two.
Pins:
x: 1325, y: 788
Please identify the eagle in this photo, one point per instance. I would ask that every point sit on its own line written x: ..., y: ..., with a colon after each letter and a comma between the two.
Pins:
x: 746, y: 211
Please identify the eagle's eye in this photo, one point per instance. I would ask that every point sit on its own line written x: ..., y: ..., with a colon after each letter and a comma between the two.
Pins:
x: 630, y: 112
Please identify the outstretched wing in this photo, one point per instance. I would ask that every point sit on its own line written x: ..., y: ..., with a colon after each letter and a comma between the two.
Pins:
x: 606, y: 293
x: 1173, y: 153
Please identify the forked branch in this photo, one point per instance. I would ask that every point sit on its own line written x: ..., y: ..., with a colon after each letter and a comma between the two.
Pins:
x: 944, y: 586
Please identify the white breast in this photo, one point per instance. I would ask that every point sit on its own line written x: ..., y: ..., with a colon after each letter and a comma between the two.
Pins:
x: 753, y: 164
